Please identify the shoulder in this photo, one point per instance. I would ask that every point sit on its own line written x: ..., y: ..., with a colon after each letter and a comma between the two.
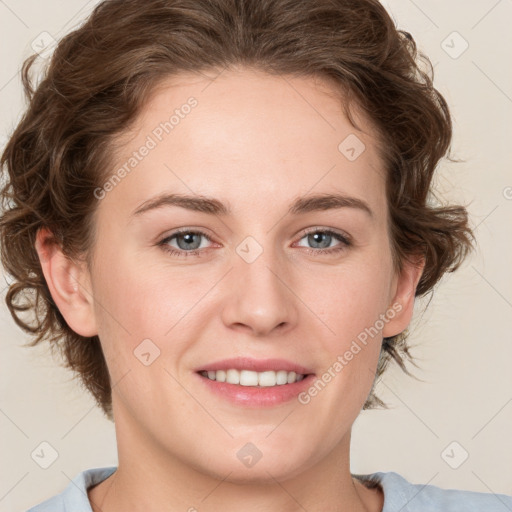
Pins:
x: 74, y: 496
x: 404, y: 496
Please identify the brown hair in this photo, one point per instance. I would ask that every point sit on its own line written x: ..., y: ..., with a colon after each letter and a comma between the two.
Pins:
x: 100, y: 77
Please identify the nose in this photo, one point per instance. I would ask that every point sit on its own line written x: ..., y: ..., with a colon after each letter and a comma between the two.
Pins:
x: 259, y: 297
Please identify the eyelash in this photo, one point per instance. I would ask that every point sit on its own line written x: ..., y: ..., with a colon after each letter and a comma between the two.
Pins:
x: 345, y: 242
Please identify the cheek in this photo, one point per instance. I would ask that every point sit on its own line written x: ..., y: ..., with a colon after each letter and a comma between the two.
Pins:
x: 351, y: 351
x: 140, y: 302
x: 140, y: 298
x: 353, y: 299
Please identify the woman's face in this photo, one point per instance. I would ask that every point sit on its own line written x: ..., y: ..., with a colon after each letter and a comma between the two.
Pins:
x: 262, y: 272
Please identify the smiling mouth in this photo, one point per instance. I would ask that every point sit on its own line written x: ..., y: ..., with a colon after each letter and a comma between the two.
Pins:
x: 268, y: 378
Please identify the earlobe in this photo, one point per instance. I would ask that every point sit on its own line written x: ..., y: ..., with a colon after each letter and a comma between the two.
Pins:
x: 69, y: 284
x: 403, y: 301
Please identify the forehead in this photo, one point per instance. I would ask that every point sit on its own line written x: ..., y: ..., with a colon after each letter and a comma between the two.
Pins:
x: 244, y: 134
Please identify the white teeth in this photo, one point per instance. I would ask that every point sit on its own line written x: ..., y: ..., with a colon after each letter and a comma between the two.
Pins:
x: 233, y: 377
x: 281, y: 377
x: 250, y: 378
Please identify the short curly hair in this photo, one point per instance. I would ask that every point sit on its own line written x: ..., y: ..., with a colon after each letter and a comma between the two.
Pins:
x: 101, y: 75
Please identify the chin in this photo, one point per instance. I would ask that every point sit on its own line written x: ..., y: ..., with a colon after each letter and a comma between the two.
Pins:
x: 249, y: 465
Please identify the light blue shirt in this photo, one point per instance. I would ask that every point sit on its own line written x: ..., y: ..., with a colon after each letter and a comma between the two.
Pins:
x: 399, y: 495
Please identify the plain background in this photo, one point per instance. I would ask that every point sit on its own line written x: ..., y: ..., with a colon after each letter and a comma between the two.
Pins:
x: 462, y: 408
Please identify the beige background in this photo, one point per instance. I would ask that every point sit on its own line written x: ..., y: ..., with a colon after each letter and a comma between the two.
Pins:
x: 464, y: 338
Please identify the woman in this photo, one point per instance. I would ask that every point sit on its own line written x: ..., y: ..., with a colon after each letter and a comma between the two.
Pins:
x: 223, y: 209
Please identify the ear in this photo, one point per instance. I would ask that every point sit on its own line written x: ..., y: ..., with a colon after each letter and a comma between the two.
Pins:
x: 69, y: 284
x: 404, y: 286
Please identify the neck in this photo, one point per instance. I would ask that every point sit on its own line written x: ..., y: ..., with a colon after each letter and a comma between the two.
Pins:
x: 150, y: 479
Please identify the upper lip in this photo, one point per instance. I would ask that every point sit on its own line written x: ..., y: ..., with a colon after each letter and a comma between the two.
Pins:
x: 256, y: 365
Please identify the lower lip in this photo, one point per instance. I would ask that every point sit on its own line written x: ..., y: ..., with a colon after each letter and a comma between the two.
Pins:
x: 253, y: 396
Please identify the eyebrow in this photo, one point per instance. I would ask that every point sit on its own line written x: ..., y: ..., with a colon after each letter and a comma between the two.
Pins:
x: 212, y: 206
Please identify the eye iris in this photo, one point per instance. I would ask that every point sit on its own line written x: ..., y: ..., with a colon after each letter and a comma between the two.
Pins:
x: 189, y: 239
x: 317, y: 235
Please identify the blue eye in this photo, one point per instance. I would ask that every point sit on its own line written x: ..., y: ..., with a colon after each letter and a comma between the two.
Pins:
x: 319, y: 237
x: 187, y: 239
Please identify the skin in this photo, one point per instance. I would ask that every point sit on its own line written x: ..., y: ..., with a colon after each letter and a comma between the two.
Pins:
x: 256, y: 142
